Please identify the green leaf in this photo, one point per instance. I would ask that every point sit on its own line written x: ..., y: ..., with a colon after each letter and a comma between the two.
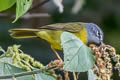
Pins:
x: 5, y: 4
x: 22, y: 7
x: 6, y: 69
x: 77, y: 56
x: 42, y: 76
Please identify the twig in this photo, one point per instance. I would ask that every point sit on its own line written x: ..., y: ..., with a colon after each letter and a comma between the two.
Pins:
x: 28, y: 73
x: 57, y: 55
x: 35, y: 15
x: 26, y: 16
x: 77, y: 76
x: 38, y: 5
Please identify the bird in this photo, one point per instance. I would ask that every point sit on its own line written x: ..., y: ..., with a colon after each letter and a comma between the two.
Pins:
x: 88, y: 33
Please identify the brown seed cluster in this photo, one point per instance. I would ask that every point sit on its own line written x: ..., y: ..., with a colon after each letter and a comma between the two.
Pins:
x: 104, y: 55
x: 57, y: 63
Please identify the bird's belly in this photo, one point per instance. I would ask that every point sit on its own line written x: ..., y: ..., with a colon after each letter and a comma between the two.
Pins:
x: 53, y: 37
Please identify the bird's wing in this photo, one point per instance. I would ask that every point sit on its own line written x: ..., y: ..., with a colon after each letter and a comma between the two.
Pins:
x: 70, y: 27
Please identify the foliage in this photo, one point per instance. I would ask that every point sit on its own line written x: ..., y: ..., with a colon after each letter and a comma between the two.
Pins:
x: 77, y: 56
x: 5, y: 4
x: 14, y: 63
x: 7, y: 69
x: 22, y: 6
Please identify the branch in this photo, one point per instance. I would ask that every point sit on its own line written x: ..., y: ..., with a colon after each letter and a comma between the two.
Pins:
x: 27, y: 73
x: 34, y: 15
x: 26, y: 16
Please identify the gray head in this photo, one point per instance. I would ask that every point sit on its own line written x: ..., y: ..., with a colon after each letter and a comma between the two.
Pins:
x: 94, y: 33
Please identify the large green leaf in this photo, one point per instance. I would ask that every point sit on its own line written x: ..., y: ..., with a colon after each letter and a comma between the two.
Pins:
x: 77, y: 56
x: 5, y: 4
x: 22, y: 7
x: 6, y: 69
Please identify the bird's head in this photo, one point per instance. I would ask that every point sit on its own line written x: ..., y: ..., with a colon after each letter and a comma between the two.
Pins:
x: 94, y: 33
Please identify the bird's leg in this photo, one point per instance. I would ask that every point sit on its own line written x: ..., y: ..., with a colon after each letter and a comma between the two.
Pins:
x: 57, y: 55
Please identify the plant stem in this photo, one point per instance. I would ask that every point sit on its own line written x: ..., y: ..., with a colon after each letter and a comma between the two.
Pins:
x: 74, y: 76
x: 77, y: 76
x: 28, y: 73
x: 57, y: 55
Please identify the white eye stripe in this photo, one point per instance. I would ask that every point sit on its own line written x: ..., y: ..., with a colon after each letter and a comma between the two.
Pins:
x: 98, y: 33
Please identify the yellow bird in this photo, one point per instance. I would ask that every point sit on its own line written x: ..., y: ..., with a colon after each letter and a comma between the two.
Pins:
x: 87, y: 32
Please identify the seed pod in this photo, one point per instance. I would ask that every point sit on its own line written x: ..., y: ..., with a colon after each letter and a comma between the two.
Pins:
x: 118, y: 65
x: 117, y: 58
x: 109, y: 66
x: 107, y: 59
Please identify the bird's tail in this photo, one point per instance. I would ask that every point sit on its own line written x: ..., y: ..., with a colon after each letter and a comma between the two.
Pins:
x: 23, y: 33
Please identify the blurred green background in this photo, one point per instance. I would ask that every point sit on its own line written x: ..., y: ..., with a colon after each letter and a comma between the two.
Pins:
x: 105, y: 13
